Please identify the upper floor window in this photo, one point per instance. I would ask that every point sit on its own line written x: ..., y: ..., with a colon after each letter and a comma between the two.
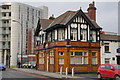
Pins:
x: 106, y: 47
x: 5, y: 7
x: 73, y: 35
x: 49, y: 37
x: 93, y: 36
x: 4, y: 14
x: 83, y: 35
x: 61, y: 34
x: 53, y: 35
x: 38, y: 41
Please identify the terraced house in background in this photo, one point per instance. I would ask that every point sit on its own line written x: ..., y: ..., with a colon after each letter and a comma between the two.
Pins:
x: 70, y: 40
x: 110, y: 48
x: 17, y: 22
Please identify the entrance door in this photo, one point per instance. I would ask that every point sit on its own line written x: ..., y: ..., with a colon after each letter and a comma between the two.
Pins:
x: 118, y: 60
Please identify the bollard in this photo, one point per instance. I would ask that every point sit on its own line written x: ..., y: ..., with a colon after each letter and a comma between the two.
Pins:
x: 72, y: 72
x: 66, y: 71
x: 61, y: 70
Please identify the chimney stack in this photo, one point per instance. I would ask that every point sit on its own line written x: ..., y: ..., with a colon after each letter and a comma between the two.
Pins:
x: 52, y: 17
x: 92, y: 11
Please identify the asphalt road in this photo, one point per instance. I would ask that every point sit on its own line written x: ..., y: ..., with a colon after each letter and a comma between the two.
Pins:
x: 19, y: 75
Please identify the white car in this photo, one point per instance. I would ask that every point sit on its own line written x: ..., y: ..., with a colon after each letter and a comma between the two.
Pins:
x: 29, y: 65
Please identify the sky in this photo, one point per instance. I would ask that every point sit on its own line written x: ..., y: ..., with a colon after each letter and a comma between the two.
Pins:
x: 107, y: 10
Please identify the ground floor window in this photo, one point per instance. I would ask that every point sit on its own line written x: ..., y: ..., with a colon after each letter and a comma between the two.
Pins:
x: 78, y: 57
x: 41, y: 58
x: 51, y: 57
x: 61, y: 60
x: 107, y: 60
x: 94, y: 58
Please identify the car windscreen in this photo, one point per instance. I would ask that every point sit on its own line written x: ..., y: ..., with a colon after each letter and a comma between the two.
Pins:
x: 117, y: 66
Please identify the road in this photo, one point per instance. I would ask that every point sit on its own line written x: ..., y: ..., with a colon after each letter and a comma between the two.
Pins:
x: 19, y: 75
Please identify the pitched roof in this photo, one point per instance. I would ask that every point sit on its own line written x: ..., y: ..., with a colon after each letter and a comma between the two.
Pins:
x: 67, y: 16
x: 64, y: 18
x: 45, y: 23
x: 108, y: 37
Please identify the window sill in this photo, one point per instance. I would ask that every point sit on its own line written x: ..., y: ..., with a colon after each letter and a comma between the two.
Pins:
x: 107, y: 52
x: 79, y: 64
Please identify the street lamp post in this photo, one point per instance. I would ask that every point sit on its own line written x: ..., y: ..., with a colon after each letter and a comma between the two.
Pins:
x: 21, y: 39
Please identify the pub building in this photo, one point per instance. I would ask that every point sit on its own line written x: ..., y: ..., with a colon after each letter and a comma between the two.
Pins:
x: 71, y: 40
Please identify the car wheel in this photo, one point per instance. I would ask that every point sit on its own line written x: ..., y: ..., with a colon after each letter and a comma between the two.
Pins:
x: 116, y: 77
x: 99, y: 76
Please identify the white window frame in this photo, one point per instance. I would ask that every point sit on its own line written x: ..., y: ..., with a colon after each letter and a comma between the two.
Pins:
x: 51, y: 57
x: 60, y: 53
x: 61, y: 61
x: 61, y: 34
x: 41, y: 58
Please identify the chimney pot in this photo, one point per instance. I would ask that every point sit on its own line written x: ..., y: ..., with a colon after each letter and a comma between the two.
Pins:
x: 92, y: 11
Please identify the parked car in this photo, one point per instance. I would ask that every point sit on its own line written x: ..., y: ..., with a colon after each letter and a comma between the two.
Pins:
x: 2, y: 67
x: 31, y: 64
x: 111, y: 71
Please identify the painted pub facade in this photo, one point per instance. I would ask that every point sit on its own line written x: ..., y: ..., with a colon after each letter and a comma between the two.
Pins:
x: 71, y: 40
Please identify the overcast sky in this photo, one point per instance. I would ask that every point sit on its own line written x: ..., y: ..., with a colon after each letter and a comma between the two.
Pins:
x: 107, y: 10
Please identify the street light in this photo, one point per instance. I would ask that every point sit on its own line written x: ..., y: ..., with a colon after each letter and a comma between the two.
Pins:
x: 21, y: 38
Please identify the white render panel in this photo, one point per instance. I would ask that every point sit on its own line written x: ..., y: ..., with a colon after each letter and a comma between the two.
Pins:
x: 55, y: 34
x: 88, y: 33
x: 78, y: 31
x: 68, y: 32
x: 65, y: 33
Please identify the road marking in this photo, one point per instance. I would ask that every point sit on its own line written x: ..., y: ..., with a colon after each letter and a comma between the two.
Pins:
x: 29, y: 74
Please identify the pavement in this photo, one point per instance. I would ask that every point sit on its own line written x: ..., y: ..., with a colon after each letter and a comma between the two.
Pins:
x: 56, y: 74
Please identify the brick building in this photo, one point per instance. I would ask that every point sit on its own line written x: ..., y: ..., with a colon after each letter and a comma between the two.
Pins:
x: 70, y: 40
